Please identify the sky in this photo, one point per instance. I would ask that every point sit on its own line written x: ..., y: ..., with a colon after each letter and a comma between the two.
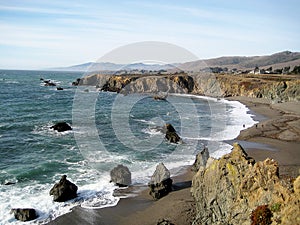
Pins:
x: 38, y: 34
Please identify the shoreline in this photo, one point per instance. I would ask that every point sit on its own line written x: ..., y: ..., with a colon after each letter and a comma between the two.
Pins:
x: 177, y: 206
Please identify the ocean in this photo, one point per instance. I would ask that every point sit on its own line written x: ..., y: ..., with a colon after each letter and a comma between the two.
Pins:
x: 108, y: 129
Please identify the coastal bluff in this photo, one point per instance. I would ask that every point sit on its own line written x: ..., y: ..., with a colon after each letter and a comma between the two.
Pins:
x: 230, y: 189
x: 279, y: 88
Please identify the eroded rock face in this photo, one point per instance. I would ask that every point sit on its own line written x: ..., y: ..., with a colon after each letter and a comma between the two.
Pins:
x: 24, y: 215
x: 201, y: 159
x: 64, y: 190
x: 215, y: 85
x: 171, y: 134
x: 229, y: 189
x: 160, y: 183
x: 121, y: 176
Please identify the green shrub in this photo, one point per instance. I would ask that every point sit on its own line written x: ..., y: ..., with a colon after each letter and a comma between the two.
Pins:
x: 275, y: 207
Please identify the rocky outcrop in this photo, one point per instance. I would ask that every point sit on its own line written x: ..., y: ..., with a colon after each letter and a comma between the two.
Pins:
x: 64, y: 190
x: 121, y: 176
x: 61, y: 127
x: 25, y: 214
x: 171, y: 134
x: 274, y: 87
x: 201, y: 159
x: 229, y: 189
x: 161, y: 183
x: 77, y: 82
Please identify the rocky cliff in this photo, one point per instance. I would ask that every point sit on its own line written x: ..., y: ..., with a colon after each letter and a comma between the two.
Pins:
x: 228, y: 190
x: 274, y: 87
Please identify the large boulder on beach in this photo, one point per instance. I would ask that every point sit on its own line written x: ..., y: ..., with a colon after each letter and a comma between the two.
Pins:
x: 25, y: 214
x: 61, y: 127
x: 121, y: 176
x: 64, y: 190
x: 201, y: 159
x: 161, y: 183
x: 171, y: 134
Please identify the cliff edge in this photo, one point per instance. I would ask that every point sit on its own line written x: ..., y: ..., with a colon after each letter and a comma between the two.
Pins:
x: 228, y: 190
x: 279, y: 88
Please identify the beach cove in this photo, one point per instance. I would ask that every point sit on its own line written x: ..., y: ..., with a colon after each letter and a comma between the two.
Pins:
x: 179, y: 206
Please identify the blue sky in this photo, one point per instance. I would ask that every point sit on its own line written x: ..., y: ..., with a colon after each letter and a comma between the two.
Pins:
x: 51, y: 33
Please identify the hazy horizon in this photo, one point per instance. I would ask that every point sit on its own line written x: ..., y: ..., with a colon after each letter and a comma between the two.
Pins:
x: 46, y: 34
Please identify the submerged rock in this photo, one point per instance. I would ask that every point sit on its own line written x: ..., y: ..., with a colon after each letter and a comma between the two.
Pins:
x: 201, y: 159
x: 25, y: 214
x: 49, y: 83
x: 161, y: 183
x: 59, y: 88
x: 230, y: 188
x: 64, y: 190
x: 61, y: 127
x: 171, y: 134
x: 121, y: 176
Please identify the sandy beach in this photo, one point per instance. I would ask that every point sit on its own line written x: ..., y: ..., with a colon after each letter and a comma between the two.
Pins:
x: 275, y: 136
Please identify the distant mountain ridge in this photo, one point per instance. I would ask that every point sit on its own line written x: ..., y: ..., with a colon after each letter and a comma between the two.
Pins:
x: 277, y: 60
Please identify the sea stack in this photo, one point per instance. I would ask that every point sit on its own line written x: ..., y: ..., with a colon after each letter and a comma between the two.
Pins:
x: 64, y: 190
x: 171, y: 134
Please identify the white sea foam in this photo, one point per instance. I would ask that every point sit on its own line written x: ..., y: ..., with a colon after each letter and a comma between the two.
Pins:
x: 95, y: 191
x: 92, y: 195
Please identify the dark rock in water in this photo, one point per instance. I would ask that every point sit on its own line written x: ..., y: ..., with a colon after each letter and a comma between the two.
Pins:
x: 77, y: 82
x: 164, y: 222
x: 41, y: 78
x: 61, y: 127
x: 171, y: 134
x: 24, y: 214
x: 201, y: 159
x: 59, y: 88
x: 64, y: 190
x: 9, y: 183
x: 49, y: 83
x: 161, y: 183
x: 121, y: 176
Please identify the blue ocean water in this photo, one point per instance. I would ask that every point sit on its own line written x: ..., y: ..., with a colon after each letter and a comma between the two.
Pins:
x: 108, y: 129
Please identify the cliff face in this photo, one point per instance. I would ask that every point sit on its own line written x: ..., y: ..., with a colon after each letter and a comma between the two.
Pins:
x: 274, y: 87
x: 229, y: 189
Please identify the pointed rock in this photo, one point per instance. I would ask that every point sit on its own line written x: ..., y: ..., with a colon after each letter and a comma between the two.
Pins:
x: 201, y: 159
x: 64, y: 190
x: 161, y: 183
